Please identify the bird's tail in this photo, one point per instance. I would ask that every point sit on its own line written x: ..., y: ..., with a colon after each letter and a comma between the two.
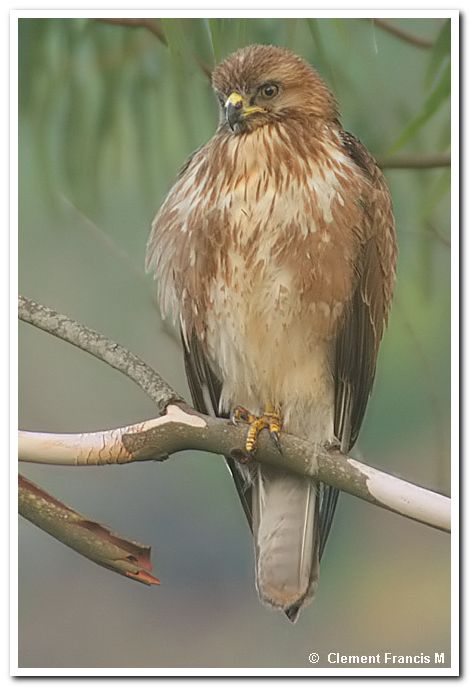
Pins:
x: 286, y: 532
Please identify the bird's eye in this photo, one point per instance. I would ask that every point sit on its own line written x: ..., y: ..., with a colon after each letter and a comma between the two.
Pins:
x: 269, y: 90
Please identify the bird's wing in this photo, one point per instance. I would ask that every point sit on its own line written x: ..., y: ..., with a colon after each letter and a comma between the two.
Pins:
x: 358, y: 341
x: 205, y: 390
x: 328, y: 501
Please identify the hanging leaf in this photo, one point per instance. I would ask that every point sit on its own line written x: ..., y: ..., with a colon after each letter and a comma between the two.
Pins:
x: 434, y: 101
x: 322, y: 56
x: 174, y: 34
x: 434, y: 196
x: 198, y: 38
x: 290, y: 26
x: 215, y: 34
x: 241, y: 27
x: 440, y: 53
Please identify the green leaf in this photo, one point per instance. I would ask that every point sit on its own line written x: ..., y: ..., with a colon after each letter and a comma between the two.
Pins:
x: 81, y: 24
x: 425, y: 263
x: 436, y: 193
x: 440, y: 52
x: 175, y: 37
x: 290, y: 27
x: 199, y: 41
x: 241, y: 27
x: 226, y: 35
x: 321, y: 51
x: 215, y: 34
x: 437, y: 97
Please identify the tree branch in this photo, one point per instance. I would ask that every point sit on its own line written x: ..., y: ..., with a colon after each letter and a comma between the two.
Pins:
x: 403, y: 35
x: 180, y: 427
x: 88, y: 538
x: 101, y: 347
x: 396, y: 162
x: 415, y: 161
x: 152, y: 25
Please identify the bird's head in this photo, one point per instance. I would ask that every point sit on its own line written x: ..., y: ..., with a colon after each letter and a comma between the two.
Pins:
x: 263, y: 83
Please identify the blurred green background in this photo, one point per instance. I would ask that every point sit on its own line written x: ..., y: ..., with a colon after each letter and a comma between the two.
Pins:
x: 107, y: 115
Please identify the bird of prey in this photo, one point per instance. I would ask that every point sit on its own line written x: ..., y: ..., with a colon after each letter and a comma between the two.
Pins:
x: 275, y: 252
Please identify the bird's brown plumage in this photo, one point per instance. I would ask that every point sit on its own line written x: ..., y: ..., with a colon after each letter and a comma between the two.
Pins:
x: 276, y: 251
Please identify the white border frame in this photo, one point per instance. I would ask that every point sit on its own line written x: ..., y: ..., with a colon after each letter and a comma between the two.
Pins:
x: 455, y: 370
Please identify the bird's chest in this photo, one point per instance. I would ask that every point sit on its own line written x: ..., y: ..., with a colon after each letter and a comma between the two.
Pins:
x: 278, y: 256
x: 265, y: 251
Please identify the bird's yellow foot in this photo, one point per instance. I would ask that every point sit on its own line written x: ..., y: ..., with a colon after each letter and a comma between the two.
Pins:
x: 270, y: 419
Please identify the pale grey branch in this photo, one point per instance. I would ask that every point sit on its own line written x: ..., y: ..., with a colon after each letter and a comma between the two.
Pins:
x: 179, y: 427
x: 182, y: 428
x: 101, y: 347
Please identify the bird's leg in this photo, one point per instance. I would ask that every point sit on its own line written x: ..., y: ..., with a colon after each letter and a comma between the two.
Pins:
x: 270, y: 419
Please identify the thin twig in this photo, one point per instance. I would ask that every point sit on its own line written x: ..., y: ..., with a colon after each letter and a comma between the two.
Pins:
x: 415, y: 161
x: 403, y: 35
x: 154, y: 26
x: 105, y: 239
x: 151, y: 25
x: 437, y: 235
x: 116, y: 251
x: 101, y: 347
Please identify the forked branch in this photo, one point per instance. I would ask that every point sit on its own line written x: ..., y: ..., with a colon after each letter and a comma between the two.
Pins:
x: 179, y: 427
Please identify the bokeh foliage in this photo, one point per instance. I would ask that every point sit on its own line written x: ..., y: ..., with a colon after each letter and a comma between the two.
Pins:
x: 99, y: 95
x: 107, y: 115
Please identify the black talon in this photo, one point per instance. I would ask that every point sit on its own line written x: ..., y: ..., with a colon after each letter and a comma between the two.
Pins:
x: 277, y: 440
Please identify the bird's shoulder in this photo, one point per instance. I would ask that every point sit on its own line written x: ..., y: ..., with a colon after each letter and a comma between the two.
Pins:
x: 192, y: 157
x: 358, y: 153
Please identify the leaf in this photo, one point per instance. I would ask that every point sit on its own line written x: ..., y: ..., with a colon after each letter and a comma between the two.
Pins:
x: 432, y: 104
x: 81, y: 24
x: 434, y: 196
x: 226, y: 36
x: 175, y: 37
x: 215, y: 34
x: 320, y: 48
x: 290, y: 27
x: 425, y: 264
x: 440, y: 52
x: 199, y: 40
x: 240, y: 31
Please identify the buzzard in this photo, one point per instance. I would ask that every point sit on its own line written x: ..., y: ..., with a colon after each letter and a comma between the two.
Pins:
x: 275, y: 252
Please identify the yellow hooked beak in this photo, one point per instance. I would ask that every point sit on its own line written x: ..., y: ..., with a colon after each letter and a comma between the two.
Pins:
x: 237, y: 109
